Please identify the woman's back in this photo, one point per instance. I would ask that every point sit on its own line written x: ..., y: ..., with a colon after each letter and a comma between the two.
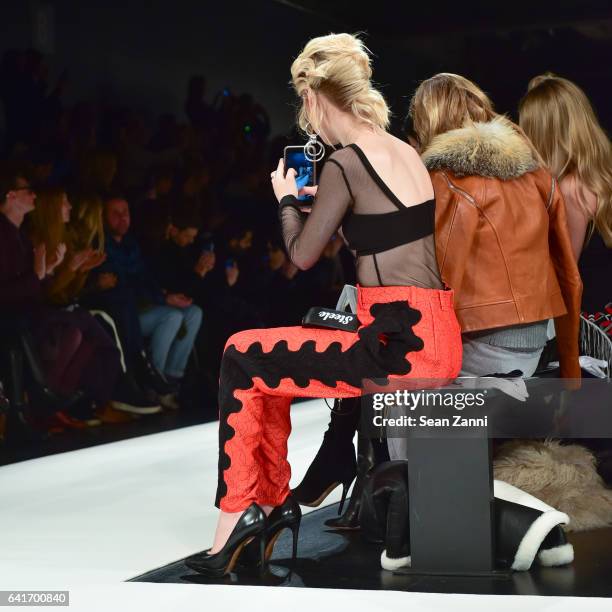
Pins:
x: 580, y: 206
x: 399, y: 166
x: 395, y: 187
x: 388, y: 226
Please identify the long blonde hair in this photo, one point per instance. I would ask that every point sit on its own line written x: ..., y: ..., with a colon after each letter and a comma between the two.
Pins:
x: 86, y: 227
x: 560, y: 121
x: 46, y: 223
x: 339, y: 67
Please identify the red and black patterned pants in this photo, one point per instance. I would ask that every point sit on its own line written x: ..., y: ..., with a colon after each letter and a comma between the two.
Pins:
x: 406, y: 332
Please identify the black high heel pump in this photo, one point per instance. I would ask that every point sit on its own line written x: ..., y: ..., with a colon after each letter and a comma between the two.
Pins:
x: 250, y: 527
x: 286, y: 516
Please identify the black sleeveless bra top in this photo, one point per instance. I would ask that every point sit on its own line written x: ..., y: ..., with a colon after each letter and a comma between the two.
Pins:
x: 393, y: 243
x: 367, y: 234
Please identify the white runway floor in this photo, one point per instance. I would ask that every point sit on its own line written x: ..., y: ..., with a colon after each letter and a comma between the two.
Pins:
x: 88, y: 520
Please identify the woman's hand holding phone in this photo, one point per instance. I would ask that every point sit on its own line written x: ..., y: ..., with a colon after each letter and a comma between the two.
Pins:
x: 283, y: 184
x: 308, y: 191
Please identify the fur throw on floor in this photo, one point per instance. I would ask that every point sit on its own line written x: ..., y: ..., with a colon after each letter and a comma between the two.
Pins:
x: 563, y: 476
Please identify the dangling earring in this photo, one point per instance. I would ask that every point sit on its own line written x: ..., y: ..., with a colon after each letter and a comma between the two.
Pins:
x: 314, y: 150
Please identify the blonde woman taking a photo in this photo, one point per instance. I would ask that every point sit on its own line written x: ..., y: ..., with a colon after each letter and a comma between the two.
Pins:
x: 377, y: 193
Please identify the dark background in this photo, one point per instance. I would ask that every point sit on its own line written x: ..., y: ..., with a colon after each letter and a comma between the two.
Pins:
x: 144, y: 52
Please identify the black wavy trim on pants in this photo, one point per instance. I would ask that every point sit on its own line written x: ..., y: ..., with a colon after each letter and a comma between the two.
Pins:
x: 368, y: 358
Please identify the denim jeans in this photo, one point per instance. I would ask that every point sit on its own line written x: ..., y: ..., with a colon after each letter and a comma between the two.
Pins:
x: 161, y: 325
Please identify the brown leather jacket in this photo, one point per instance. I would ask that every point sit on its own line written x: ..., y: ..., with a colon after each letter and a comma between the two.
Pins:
x: 502, y: 241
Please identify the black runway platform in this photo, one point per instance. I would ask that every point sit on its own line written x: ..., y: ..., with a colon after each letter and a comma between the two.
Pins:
x: 342, y: 560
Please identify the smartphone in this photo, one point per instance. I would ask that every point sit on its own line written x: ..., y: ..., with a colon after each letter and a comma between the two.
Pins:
x: 305, y: 170
x: 230, y: 263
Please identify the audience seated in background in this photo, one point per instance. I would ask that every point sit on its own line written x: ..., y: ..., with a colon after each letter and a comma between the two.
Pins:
x: 213, y: 170
x: 127, y: 288
x: 97, y: 350
x: 76, y: 352
x: 177, y: 267
x: 50, y: 225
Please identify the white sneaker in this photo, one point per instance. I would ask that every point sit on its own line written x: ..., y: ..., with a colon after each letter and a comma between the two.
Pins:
x: 124, y: 407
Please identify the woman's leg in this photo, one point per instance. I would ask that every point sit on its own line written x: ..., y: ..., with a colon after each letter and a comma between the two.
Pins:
x: 107, y: 324
x: 335, y: 459
x: 100, y: 372
x: 67, y: 340
x: 260, y: 372
x: 483, y: 359
x: 259, y: 366
x: 122, y: 307
x: 273, y: 451
x: 292, y: 362
x: 268, y: 483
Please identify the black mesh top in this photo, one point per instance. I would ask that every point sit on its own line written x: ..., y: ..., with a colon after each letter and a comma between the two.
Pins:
x: 393, y: 242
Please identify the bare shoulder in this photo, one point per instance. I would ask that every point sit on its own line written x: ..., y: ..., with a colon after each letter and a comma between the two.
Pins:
x: 390, y: 151
x: 408, y: 161
x: 577, y: 194
x: 405, y: 150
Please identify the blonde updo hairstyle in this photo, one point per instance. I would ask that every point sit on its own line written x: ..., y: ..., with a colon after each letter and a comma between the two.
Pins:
x: 338, y: 67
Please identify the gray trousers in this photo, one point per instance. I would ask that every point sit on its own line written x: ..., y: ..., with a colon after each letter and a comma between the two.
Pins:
x: 481, y: 359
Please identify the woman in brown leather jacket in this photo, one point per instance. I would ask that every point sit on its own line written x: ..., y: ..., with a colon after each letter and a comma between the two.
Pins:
x: 501, y: 233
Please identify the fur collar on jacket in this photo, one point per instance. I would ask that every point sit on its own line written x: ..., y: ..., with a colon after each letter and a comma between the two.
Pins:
x: 492, y: 149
